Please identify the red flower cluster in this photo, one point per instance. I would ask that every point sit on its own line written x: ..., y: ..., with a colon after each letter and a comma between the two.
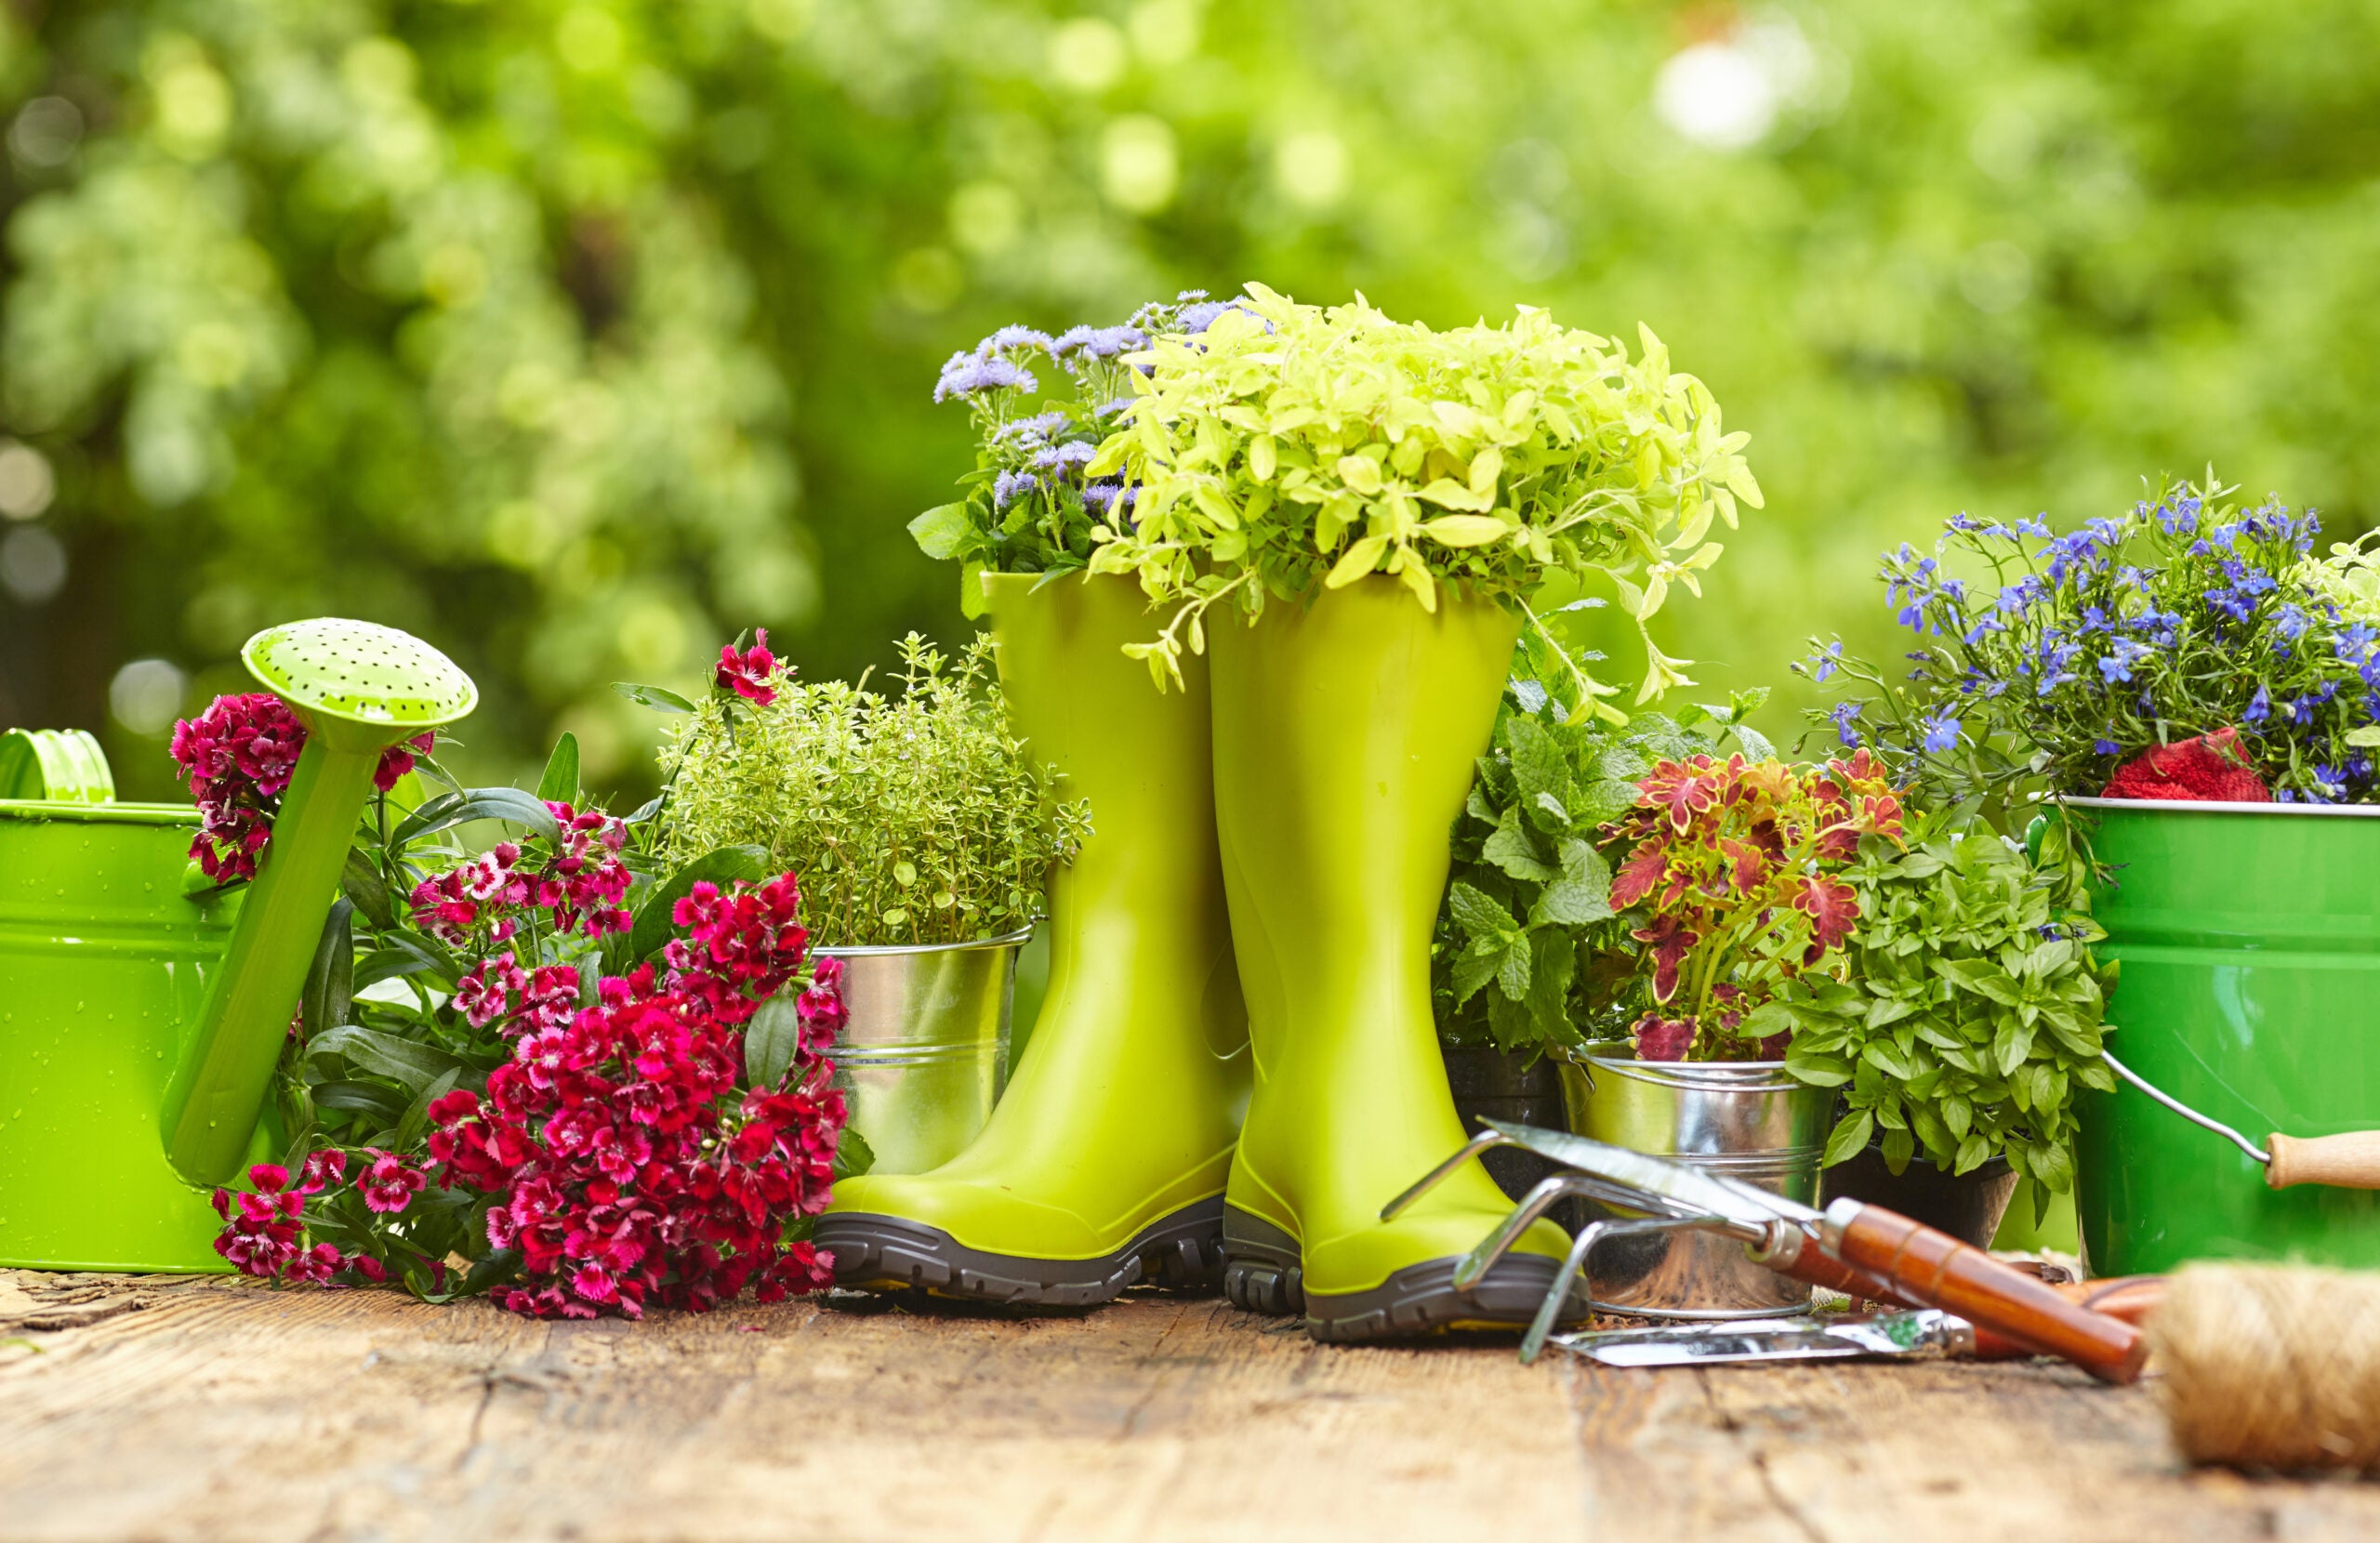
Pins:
x: 237, y: 757
x: 578, y: 879
x: 267, y: 1238
x: 1734, y: 864
x: 618, y: 1165
x: 746, y: 673
x: 499, y: 989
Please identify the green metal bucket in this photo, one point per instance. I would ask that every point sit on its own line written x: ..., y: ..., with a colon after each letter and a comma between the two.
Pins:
x: 2249, y: 936
x: 103, y: 965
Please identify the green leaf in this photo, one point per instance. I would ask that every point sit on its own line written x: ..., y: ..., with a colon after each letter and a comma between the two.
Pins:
x: 645, y: 937
x: 1477, y: 914
x: 417, y: 1114
x: 1475, y: 967
x: 973, y: 601
x: 449, y: 810
x: 415, y: 1064
x: 1851, y: 1135
x: 1898, y: 1147
x: 1554, y: 962
x: 1512, y: 974
x: 771, y: 1041
x: 1607, y: 800
x: 1511, y: 849
x: 854, y: 1156
x: 330, y: 980
x: 1538, y: 767
x: 560, y: 783
x: 362, y: 884
x: 941, y: 531
x: 659, y: 698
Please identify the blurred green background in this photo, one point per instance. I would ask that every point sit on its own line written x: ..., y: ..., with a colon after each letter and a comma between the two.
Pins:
x: 577, y: 336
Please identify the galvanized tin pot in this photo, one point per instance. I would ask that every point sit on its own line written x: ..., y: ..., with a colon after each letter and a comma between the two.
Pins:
x: 925, y: 1053
x: 2250, y: 939
x: 1748, y: 1120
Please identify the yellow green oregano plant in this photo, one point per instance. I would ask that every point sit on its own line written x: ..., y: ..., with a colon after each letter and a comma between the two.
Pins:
x: 1287, y: 446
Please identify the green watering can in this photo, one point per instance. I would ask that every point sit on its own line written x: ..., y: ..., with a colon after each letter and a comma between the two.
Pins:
x: 139, y: 1025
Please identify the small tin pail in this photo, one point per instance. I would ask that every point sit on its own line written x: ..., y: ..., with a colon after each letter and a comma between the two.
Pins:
x: 1747, y: 1120
x: 925, y: 1053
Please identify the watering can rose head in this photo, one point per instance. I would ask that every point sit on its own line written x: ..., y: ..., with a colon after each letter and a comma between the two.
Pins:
x: 1732, y: 872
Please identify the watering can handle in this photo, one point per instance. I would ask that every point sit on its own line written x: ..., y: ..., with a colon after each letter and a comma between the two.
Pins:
x: 2348, y: 1162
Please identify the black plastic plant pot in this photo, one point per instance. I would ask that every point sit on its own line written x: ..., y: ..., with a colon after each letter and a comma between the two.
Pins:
x: 1967, y: 1205
x: 1503, y: 1084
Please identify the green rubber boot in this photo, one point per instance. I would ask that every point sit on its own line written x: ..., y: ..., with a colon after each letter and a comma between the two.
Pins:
x: 1104, y: 1163
x: 1345, y: 737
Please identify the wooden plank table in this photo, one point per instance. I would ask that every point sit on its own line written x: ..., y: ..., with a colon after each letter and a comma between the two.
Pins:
x: 210, y: 1408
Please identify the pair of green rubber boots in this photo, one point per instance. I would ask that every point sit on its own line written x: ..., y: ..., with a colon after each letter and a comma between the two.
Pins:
x: 1245, y: 933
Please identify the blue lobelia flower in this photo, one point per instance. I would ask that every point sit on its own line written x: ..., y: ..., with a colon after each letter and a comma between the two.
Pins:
x: 1941, y: 734
x: 2106, y: 747
x: 2037, y: 527
x: 1827, y: 661
x: 1844, y: 714
x: 2259, y: 706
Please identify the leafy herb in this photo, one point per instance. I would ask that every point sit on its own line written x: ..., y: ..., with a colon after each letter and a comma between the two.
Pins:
x: 1528, y: 911
x: 1288, y: 446
x: 1971, y: 1008
x: 912, y: 819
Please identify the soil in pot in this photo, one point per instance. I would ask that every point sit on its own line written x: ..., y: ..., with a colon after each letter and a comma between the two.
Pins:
x: 1967, y: 1205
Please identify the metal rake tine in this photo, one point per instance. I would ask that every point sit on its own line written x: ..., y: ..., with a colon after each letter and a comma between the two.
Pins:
x: 1500, y: 1238
x: 1483, y: 1141
x: 1549, y: 1309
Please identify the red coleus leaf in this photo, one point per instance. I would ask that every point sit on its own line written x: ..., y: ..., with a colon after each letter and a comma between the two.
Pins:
x: 1747, y: 865
x: 1671, y: 940
x: 1832, y: 905
x: 1663, y: 1039
x: 1639, y: 874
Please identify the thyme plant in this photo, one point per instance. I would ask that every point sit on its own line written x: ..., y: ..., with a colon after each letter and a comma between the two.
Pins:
x: 913, y: 820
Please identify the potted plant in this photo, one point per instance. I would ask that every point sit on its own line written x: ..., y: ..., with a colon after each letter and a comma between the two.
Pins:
x: 2193, y: 692
x: 1527, y: 913
x: 1370, y: 501
x: 1138, y: 1055
x: 924, y: 833
x: 1731, y: 880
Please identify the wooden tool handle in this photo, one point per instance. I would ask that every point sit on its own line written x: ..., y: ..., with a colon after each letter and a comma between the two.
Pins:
x: 1944, y: 1273
x: 1791, y: 1252
x: 2129, y: 1297
x: 2348, y: 1162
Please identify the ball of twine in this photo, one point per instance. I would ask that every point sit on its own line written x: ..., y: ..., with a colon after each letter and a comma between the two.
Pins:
x: 2271, y: 1366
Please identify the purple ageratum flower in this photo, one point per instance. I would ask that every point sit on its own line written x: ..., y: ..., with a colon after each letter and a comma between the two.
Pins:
x: 1063, y: 460
x: 1032, y: 430
x: 967, y: 374
x: 1107, y: 498
x: 1096, y: 343
x: 1941, y: 734
x: 1012, y: 339
x: 1844, y: 715
x: 1010, y: 486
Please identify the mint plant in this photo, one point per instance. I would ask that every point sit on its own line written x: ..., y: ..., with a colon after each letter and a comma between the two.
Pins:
x: 1528, y: 914
x: 1969, y: 1008
x: 1286, y: 448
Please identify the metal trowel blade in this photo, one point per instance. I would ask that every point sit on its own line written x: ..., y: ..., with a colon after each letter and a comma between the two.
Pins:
x: 1922, y: 1332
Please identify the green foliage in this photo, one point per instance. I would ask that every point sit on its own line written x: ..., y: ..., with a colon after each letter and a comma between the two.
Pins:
x: 1528, y: 920
x: 1289, y: 445
x: 1971, y: 1006
x: 916, y: 819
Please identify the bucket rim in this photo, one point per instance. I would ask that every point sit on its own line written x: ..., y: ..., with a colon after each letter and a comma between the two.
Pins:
x: 1716, y: 1076
x: 2212, y: 806
x: 106, y: 814
x: 869, y: 951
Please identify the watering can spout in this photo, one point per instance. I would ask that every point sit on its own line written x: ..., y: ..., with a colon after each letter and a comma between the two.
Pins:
x: 358, y: 689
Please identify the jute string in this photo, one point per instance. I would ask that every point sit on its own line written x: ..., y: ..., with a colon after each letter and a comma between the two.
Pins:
x: 2271, y: 1366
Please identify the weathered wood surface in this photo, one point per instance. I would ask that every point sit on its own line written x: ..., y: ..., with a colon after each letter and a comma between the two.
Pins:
x: 214, y: 1409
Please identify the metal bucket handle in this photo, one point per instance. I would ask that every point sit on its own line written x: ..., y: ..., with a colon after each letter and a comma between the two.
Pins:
x: 2348, y: 1161
x: 1714, y: 1081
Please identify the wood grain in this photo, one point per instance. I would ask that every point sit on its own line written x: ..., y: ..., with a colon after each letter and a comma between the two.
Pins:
x: 216, y: 1409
